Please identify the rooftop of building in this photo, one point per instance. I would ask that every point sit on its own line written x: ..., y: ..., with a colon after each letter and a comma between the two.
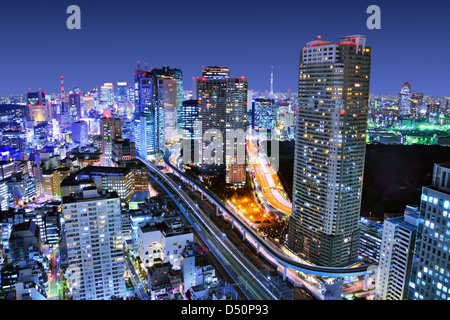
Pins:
x: 94, y: 170
x: 89, y: 194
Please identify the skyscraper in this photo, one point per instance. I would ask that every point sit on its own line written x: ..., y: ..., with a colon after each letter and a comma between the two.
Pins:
x: 223, y: 110
x: 92, y: 225
x: 110, y: 129
x: 169, y: 95
x: 404, y: 108
x: 431, y: 268
x: 330, y: 145
x: 74, y: 106
x: 396, y: 254
x: 263, y: 114
x: 80, y: 133
x: 107, y: 94
x: 122, y: 92
x: 148, y: 119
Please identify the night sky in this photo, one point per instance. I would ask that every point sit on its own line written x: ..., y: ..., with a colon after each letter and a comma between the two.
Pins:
x: 247, y: 36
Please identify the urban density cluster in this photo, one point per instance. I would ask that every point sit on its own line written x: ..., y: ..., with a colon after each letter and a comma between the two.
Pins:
x: 143, y: 190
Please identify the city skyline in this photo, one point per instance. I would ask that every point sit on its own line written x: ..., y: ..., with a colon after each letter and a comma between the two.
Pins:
x: 113, y: 38
x: 250, y: 151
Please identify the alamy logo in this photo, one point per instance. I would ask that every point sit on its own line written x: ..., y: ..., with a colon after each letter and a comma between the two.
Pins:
x: 74, y: 21
x: 374, y: 21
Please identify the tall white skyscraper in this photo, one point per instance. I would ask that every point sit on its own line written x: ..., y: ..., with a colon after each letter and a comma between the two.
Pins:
x: 404, y: 108
x: 330, y: 146
x: 396, y: 255
x: 92, y: 226
x: 431, y: 267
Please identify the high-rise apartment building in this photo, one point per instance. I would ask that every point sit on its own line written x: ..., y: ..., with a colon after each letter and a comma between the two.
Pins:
x: 92, y: 225
x: 396, y: 254
x: 223, y: 120
x: 431, y: 266
x: 330, y: 146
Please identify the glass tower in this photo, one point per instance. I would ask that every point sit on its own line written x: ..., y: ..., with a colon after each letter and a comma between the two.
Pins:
x: 431, y: 267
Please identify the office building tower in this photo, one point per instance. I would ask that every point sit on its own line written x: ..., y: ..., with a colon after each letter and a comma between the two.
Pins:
x: 22, y: 236
x: 371, y: 234
x: 404, y: 108
x: 169, y: 84
x: 190, y: 126
x: 396, y: 255
x: 223, y: 118
x: 431, y: 268
x: 107, y: 94
x: 92, y: 228
x: 148, y: 119
x: 330, y: 146
x: 39, y: 110
x: 263, y: 115
x: 110, y: 129
x: 122, y: 92
x: 74, y: 106
x: 139, y: 173
x: 80, y: 133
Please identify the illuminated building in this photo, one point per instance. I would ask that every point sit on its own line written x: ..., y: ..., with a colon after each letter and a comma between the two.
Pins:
x: 404, y: 108
x: 122, y: 92
x: 189, y: 120
x: 370, y: 240
x: 148, y: 119
x: 169, y: 84
x: 330, y: 146
x: 110, y: 129
x: 80, y: 133
x: 164, y: 240
x: 107, y: 94
x: 92, y: 228
x: 223, y: 111
x: 113, y: 179
x: 396, y: 254
x: 431, y: 270
x: 74, y: 106
x: 51, y: 181
x: 123, y: 150
x: 263, y: 115
x: 4, y: 196
x: 190, y: 126
x: 139, y: 172
x: 38, y: 108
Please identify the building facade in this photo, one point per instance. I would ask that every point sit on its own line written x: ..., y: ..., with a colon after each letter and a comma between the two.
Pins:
x: 92, y: 225
x: 431, y: 267
x: 223, y: 123
x: 330, y: 145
